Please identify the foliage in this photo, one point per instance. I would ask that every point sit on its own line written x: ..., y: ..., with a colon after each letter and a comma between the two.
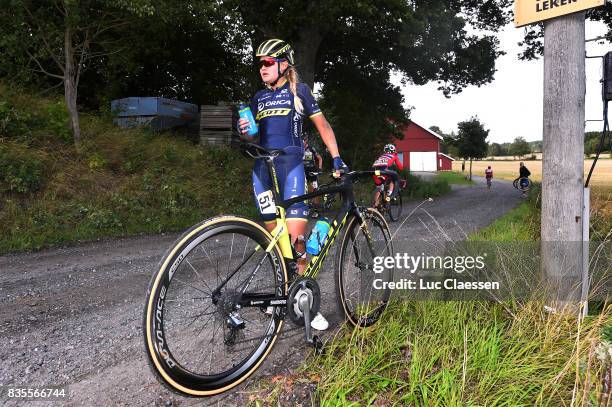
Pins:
x: 21, y: 171
x: 533, y: 42
x: 519, y: 147
x: 471, y: 139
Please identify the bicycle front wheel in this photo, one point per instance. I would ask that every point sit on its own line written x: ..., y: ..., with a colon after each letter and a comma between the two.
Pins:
x: 199, y: 340
x: 361, y: 288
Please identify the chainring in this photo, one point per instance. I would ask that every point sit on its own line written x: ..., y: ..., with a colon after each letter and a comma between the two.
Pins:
x: 300, y: 286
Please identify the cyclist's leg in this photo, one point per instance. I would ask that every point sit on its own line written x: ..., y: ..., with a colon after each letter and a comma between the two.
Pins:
x: 390, y: 189
x: 290, y: 172
x: 379, y: 184
x: 261, y: 185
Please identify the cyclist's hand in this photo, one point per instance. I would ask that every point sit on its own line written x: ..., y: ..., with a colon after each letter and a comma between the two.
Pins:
x: 339, y: 167
x: 243, y: 126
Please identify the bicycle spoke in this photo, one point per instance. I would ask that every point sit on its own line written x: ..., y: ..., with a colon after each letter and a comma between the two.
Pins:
x: 196, y: 272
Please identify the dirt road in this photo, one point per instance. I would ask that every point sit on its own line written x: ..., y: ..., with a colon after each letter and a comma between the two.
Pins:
x: 72, y: 316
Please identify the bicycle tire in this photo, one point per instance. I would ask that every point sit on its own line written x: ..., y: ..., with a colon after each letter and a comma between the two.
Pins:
x: 395, y: 207
x: 348, y: 287
x: 175, y: 371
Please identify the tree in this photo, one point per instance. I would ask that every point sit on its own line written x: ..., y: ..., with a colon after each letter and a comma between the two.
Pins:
x: 61, y: 38
x: 472, y: 140
x: 519, y: 147
x: 494, y: 150
x: 423, y: 41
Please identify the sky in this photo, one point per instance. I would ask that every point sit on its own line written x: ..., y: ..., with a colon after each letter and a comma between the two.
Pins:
x: 511, y: 105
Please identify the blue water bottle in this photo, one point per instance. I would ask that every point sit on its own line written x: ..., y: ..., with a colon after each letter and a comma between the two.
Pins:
x: 244, y: 112
x: 317, y: 237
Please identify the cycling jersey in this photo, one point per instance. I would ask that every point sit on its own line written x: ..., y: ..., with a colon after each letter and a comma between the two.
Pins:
x: 382, y: 163
x: 387, y: 160
x: 489, y: 173
x: 280, y: 125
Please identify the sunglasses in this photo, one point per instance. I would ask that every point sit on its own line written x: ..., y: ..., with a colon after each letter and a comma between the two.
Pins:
x: 267, y: 62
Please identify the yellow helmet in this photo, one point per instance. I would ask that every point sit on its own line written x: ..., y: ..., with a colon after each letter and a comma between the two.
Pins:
x: 277, y: 49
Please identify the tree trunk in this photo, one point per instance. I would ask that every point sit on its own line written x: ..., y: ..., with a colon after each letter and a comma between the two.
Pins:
x: 70, y: 87
x: 563, y: 152
x: 306, y: 49
x: 470, y: 169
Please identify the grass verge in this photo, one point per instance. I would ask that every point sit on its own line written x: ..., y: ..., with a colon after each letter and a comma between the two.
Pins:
x: 461, y: 353
x: 453, y: 177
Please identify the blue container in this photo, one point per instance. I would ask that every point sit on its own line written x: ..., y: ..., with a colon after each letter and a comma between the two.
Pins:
x: 157, y: 113
x: 317, y: 237
x: 244, y: 112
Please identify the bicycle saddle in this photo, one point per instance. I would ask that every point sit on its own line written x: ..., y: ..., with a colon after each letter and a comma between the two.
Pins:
x: 256, y: 151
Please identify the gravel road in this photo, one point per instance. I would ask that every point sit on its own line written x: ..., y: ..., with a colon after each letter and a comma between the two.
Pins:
x: 72, y: 316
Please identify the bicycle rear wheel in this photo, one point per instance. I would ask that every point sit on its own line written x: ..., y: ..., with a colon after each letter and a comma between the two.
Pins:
x: 198, y: 338
x: 361, y: 290
x: 395, y: 207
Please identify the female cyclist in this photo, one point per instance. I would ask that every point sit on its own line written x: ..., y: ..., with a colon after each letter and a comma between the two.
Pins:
x: 279, y: 111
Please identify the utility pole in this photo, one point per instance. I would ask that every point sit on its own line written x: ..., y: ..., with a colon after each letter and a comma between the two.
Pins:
x: 563, y: 157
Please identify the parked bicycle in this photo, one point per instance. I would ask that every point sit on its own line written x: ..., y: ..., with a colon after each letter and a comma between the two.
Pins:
x: 386, y: 204
x: 207, y: 320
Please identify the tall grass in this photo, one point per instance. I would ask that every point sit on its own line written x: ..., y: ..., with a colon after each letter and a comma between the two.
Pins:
x: 464, y: 353
x: 468, y: 353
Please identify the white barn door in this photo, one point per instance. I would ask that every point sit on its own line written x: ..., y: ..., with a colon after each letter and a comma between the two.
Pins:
x: 423, y: 161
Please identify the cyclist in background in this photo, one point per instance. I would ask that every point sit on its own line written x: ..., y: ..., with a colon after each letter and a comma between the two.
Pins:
x: 386, y: 160
x: 279, y: 111
x: 489, y: 176
x: 313, y: 164
x: 524, y: 174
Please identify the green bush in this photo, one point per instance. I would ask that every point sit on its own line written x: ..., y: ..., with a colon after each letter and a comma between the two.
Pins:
x: 13, y: 123
x: 20, y: 170
x: 56, y: 120
x: 418, y: 188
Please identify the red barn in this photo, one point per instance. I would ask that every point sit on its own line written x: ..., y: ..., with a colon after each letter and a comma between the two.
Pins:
x: 445, y: 162
x: 420, y: 148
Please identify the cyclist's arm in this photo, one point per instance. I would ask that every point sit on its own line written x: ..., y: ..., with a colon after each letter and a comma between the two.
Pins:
x: 312, y: 110
x: 326, y: 132
x: 398, y: 163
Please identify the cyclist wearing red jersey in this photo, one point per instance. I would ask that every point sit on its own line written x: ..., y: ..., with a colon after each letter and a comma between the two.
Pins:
x: 386, y: 160
x: 489, y: 176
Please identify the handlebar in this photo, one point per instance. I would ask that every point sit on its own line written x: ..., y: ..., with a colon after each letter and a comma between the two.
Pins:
x: 258, y: 152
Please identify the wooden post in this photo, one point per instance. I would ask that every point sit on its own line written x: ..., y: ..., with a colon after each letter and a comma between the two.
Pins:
x: 563, y: 157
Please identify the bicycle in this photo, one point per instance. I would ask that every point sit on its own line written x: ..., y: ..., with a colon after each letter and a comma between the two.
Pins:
x: 489, y: 182
x: 523, y: 184
x: 328, y: 199
x: 228, y: 270
x: 392, y: 206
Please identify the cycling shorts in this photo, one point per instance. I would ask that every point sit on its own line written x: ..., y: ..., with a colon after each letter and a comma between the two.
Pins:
x: 290, y: 174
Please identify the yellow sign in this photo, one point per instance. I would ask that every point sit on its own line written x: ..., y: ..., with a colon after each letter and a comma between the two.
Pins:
x: 532, y: 11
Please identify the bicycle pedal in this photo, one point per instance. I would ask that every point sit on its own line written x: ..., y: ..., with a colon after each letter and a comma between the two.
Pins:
x: 318, y: 345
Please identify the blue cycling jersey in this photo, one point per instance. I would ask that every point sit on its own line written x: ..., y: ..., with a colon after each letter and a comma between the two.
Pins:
x: 280, y: 125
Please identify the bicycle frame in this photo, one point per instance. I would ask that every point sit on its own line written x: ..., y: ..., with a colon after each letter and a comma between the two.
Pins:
x: 280, y: 234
